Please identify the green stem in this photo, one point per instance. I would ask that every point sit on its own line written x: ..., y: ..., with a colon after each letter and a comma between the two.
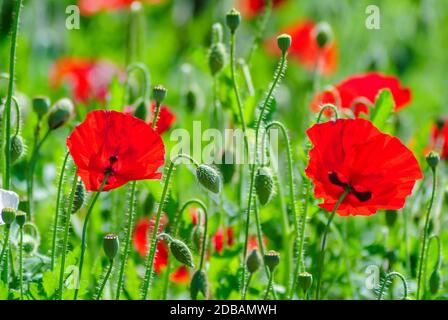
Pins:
x: 56, y: 214
x: 268, y: 289
x: 68, y: 215
x: 153, y: 245
x: 247, y: 285
x: 324, y: 242
x: 84, y: 230
x: 260, y: 30
x: 109, y: 270
x: 439, y: 249
x: 140, y: 67
x: 387, y: 279
x: 156, y: 115
x: 7, y: 110
x: 4, y: 256
x: 21, y: 263
x: 129, y: 228
x: 425, y: 234
x: 16, y: 103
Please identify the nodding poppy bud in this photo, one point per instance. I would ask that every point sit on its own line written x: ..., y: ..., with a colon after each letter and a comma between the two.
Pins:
x: 8, y: 215
x: 196, y: 237
x: 434, y: 281
x: 80, y: 194
x: 433, y: 159
x: 391, y: 217
x: 253, y: 261
x: 191, y: 99
x: 271, y: 259
x: 30, y: 244
x: 198, y: 284
x: 181, y: 252
x: 17, y: 148
x: 41, y: 105
x: 216, y: 57
x: 264, y: 185
x: 305, y: 281
x: 217, y: 32
x: 150, y: 203
x: 159, y: 93
x: 110, y: 245
x: 227, y: 169
x: 323, y: 34
x: 233, y: 19
x: 141, y: 111
x: 209, y: 178
x: 60, y: 113
x: 284, y: 42
x: 20, y: 218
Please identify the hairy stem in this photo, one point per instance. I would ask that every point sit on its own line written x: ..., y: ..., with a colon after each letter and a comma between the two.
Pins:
x: 106, y: 277
x: 388, y: 277
x: 21, y: 262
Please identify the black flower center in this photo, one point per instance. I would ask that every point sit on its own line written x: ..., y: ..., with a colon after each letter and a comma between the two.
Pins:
x: 361, y: 196
x: 112, y: 160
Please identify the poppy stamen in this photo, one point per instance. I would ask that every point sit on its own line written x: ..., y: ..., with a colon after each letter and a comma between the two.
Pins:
x: 361, y: 196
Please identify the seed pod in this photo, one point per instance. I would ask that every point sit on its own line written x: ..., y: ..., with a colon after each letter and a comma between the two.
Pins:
x: 80, y: 194
x: 391, y: 217
x: 284, y: 42
x: 41, y: 105
x: 434, y: 281
x: 323, y: 34
x: 181, y: 252
x: 20, y: 218
x: 111, y: 245
x: 198, y: 284
x: 8, y: 215
x: 209, y: 178
x: 433, y: 159
x: 60, y: 113
x: 233, y: 19
x: 17, y: 148
x: 264, y: 185
x: 216, y: 57
x: 305, y: 281
x: 196, y: 237
x: 159, y: 93
x: 227, y: 169
x: 253, y: 261
x: 271, y: 259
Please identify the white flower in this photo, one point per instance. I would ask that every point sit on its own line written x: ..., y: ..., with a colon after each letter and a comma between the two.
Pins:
x: 8, y: 199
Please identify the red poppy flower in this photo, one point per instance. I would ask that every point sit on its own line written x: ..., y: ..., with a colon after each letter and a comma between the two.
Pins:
x: 116, y: 143
x: 143, y: 231
x: 251, y: 8
x: 376, y: 168
x: 229, y: 233
x: 90, y: 7
x: 252, y: 243
x: 218, y: 239
x: 181, y: 275
x: 88, y: 79
x: 304, y: 48
x: 439, y: 138
x: 349, y: 93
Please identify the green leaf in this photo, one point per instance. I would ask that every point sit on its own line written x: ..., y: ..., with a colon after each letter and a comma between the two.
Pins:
x: 49, y: 282
x: 384, y: 106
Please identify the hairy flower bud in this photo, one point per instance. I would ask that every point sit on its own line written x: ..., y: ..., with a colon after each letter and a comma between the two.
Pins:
x: 323, y: 34
x: 20, y: 218
x: 181, y: 252
x: 271, y: 259
x: 111, y: 245
x: 60, y: 113
x: 17, y: 148
x: 196, y: 237
x: 209, y: 178
x: 264, y: 185
x: 305, y: 281
x: 233, y: 19
x: 434, y: 281
x: 41, y: 105
x: 433, y: 159
x: 141, y: 110
x: 199, y: 284
x: 216, y: 57
x: 227, y: 166
x: 80, y: 194
x: 284, y: 42
x: 253, y: 261
x: 8, y: 215
x: 159, y: 93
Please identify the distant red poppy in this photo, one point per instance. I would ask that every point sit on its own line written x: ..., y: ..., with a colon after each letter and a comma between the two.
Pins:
x: 439, y: 138
x: 357, y: 92
x: 251, y: 8
x: 181, y: 275
x: 90, y: 7
x: 252, y: 243
x: 166, y: 118
x: 88, y: 79
x: 116, y: 143
x: 304, y: 48
x: 376, y: 168
x: 218, y: 239
x: 143, y: 231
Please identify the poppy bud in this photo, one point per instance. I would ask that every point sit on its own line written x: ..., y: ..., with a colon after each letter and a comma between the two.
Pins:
x: 196, y: 237
x: 60, y: 113
x: 30, y: 244
x: 17, y: 148
x: 271, y: 259
x: 434, y: 281
x: 233, y: 19
x: 8, y: 215
x: 159, y: 93
x: 264, y: 185
x: 80, y: 194
x: 227, y: 169
x: 41, y: 105
x: 110, y: 245
x: 181, y: 252
x: 433, y: 159
x: 141, y: 111
x: 217, y: 32
x: 323, y: 34
x: 198, y: 284
x: 150, y: 203
x: 216, y: 57
x: 284, y: 42
x: 191, y: 99
x: 253, y: 261
x: 20, y: 218
x: 391, y: 217
x: 209, y: 178
x: 305, y: 281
